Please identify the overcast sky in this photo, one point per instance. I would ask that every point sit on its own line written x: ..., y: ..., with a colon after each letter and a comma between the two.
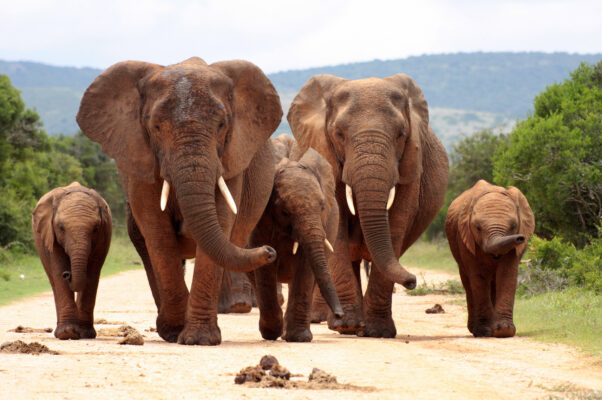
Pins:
x: 280, y: 35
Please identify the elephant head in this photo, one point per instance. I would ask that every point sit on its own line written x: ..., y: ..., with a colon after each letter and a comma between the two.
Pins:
x: 191, y: 125
x: 304, y: 206
x: 70, y: 219
x: 496, y: 220
x: 372, y: 132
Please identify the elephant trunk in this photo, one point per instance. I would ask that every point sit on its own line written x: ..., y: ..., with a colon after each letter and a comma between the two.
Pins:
x: 499, y: 245
x: 195, y: 186
x: 372, y: 194
x: 312, y: 242
x: 79, y: 256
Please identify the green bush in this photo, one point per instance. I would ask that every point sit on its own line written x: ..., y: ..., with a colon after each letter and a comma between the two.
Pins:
x: 556, y: 264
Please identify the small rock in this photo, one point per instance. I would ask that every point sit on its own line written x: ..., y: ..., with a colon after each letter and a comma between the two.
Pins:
x: 267, y: 362
x: 436, y: 309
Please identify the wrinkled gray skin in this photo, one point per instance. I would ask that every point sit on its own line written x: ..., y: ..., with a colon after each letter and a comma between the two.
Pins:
x: 302, y: 209
x: 488, y: 228
x: 72, y: 228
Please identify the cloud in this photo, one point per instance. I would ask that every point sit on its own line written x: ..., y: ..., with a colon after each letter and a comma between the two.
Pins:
x: 279, y: 35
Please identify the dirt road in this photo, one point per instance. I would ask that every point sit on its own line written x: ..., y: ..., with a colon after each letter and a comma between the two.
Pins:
x: 433, y: 357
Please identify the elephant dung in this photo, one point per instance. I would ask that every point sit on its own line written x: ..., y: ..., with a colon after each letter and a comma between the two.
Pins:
x: 268, y: 361
x: 19, y: 346
x: 436, y: 309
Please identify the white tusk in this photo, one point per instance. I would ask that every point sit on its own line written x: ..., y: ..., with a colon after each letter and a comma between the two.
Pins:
x: 327, y: 243
x: 221, y: 183
x: 349, y: 196
x: 164, y: 195
x: 391, y: 197
x: 295, y: 247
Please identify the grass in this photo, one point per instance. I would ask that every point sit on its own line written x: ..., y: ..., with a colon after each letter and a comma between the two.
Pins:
x: 430, y: 255
x: 572, y: 316
x: 450, y: 286
x: 122, y: 256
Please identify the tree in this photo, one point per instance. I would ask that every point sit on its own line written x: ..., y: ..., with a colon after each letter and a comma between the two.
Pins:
x: 555, y: 157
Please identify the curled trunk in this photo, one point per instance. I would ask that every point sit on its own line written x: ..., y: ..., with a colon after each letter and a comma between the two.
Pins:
x: 195, y: 189
x: 498, y: 245
x: 371, y: 206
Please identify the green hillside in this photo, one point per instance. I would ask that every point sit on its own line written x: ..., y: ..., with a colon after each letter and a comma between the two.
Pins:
x: 466, y: 91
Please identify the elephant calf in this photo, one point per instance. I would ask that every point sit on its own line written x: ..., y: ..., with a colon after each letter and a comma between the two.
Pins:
x: 72, y: 228
x: 488, y: 228
x: 299, y: 222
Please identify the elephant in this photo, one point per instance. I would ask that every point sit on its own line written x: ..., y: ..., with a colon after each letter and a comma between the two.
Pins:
x: 488, y: 228
x: 190, y: 141
x: 300, y: 221
x: 391, y: 175
x: 72, y: 228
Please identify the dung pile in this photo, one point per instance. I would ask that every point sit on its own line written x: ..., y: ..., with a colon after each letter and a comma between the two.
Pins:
x: 27, y: 329
x: 280, y: 377
x: 18, y: 346
x: 436, y: 309
x: 130, y: 335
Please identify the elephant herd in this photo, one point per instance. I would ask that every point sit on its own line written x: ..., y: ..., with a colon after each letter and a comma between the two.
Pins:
x: 364, y: 178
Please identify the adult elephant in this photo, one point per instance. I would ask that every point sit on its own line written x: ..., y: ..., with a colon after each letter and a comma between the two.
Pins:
x: 391, y: 173
x: 180, y: 135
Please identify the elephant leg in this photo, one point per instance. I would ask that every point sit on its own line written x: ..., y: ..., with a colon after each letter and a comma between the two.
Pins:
x: 319, y: 308
x: 270, y: 312
x: 280, y: 295
x: 165, y: 257
x: 86, y: 301
x: 505, y: 289
x: 237, y: 294
x: 67, y: 326
x: 201, y: 314
x: 483, y: 313
x: 349, y: 290
x: 140, y: 245
x: 377, y: 303
x: 298, y: 309
x: 469, y: 299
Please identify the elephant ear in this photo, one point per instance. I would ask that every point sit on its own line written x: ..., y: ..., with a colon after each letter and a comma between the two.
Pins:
x: 322, y: 169
x: 109, y: 113
x: 41, y: 218
x: 410, y: 166
x: 307, y: 116
x: 256, y: 114
x: 527, y: 220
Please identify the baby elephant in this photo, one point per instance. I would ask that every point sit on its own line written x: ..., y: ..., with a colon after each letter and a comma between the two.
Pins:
x: 72, y: 231
x: 300, y: 223
x: 488, y: 228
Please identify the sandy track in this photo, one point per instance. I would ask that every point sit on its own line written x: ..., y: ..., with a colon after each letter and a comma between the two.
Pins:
x: 433, y: 356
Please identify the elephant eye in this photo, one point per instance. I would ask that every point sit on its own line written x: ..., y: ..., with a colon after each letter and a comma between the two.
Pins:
x: 340, y: 135
x: 221, y: 124
x: 95, y: 229
x: 61, y: 228
x: 286, y: 213
x: 479, y: 228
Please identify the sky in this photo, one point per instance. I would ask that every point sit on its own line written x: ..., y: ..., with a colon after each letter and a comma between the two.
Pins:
x: 282, y: 35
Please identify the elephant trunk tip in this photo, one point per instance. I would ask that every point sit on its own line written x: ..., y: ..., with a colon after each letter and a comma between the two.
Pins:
x: 410, y: 283
x: 66, y: 275
x: 338, y: 312
x: 520, y: 239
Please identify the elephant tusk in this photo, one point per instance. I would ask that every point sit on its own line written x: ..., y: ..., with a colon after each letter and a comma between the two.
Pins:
x: 327, y: 243
x: 391, y: 197
x: 295, y: 247
x: 164, y: 194
x: 221, y: 183
x: 349, y: 195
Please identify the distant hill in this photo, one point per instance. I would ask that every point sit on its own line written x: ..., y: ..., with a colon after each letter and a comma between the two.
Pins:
x: 465, y: 91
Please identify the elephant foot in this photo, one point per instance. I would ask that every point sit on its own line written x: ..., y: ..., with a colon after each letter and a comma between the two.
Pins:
x: 319, y: 313
x: 168, y: 331
x: 204, y: 335
x: 298, y: 335
x: 481, y: 331
x: 379, y: 328
x: 351, y: 323
x: 240, y: 303
x: 504, y: 329
x: 67, y: 330
x: 86, y: 331
x: 270, y: 331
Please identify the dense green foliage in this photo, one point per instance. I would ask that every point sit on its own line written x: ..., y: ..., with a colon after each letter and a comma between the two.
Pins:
x: 555, y: 157
x: 470, y: 160
x: 500, y: 83
x: 555, y: 265
x: 31, y: 164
